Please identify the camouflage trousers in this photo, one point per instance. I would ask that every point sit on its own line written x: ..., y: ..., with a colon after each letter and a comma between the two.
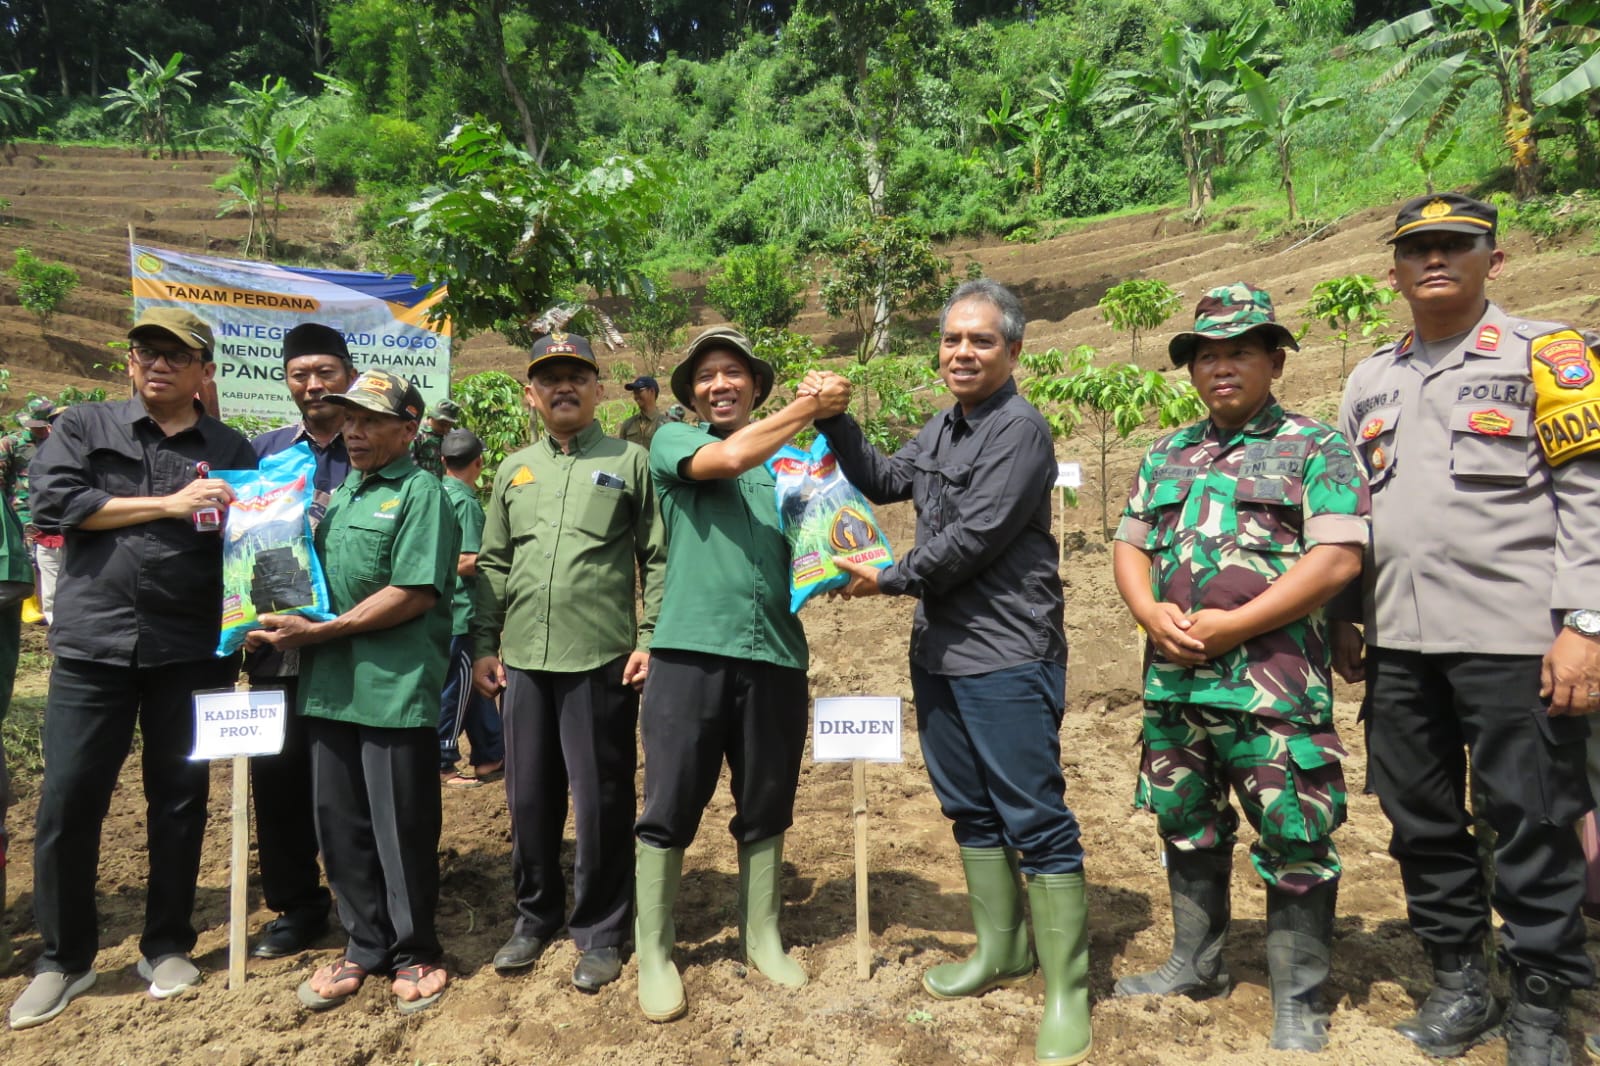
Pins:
x: 1287, y: 777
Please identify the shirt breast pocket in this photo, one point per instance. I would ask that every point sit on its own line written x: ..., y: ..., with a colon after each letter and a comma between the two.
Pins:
x: 1489, y: 444
x: 1376, y: 439
x: 935, y: 486
x: 600, y: 510
x: 522, y: 512
x: 365, y: 546
x: 1166, y: 505
x: 116, y: 472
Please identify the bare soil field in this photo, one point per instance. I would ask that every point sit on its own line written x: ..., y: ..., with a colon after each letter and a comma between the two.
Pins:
x: 75, y: 205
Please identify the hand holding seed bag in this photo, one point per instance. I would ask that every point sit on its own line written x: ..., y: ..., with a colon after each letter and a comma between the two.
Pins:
x: 268, y: 562
x: 822, y: 515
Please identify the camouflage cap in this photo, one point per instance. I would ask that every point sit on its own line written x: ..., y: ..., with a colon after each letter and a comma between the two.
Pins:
x: 446, y: 411
x: 36, y: 413
x: 383, y: 392
x: 1231, y: 311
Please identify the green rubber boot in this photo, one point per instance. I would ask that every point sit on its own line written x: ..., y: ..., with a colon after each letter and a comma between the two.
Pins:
x: 655, y: 890
x: 1002, y: 957
x: 760, y: 900
x: 1061, y: 934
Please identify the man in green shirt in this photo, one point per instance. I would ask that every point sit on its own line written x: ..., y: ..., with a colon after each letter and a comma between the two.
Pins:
x: 570, y: 518
x: 462, y: 708
x: 369, y: 687
x: 641, y: 426
x: 728, y: 662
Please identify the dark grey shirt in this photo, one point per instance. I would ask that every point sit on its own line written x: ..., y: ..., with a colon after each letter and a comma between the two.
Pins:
x: 984, y: 567
x: 146, y: 594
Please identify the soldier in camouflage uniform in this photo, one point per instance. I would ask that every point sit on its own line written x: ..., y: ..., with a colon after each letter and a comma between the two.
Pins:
x: 17, y: 451
x: 425, y: 448
x: 1237, y: 530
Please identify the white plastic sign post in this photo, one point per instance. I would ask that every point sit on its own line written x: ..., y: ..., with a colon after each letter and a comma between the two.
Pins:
x: 236, y: 723
x: 1069, y: 478
x: 858, y: 728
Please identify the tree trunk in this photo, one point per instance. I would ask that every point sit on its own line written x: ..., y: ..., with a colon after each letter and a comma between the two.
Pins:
x: 1288, y: 178
x: 494, y: 33
x: 1525, y: 149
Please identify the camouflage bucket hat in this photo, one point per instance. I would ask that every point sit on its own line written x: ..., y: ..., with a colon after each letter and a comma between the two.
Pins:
x: 1230, y: 311
x: 37, y: 413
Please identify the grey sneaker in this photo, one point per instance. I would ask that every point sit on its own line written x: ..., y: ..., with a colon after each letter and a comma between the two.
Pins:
x: 47, y: 995
x: 170, y: 975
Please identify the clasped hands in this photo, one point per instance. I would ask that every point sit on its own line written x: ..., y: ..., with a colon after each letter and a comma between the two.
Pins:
x: 1190, y: 639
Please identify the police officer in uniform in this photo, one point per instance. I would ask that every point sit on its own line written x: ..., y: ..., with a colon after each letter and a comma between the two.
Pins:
x: 1481, y: 435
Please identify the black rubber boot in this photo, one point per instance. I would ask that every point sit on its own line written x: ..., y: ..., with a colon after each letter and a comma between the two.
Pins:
x: 1198, y: 881
x: 1461, y: 1011
x: 1536, y: 1024
x: 1299, y: 955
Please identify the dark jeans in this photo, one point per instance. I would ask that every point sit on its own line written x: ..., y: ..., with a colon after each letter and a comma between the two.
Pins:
x: 88, y: 730
x: 992, y: 744
x: 1430, y: 715
x: 286, y: 829
x: 378, y: 821
x: 699, y: 709
x: 462, y: 707
x: 582, y: 730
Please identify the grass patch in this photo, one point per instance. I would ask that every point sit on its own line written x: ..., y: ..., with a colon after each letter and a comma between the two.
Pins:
x: 20, y: 734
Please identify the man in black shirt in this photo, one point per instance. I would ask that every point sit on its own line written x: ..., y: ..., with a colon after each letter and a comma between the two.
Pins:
x: 988, y: 654
x: 138, y: 611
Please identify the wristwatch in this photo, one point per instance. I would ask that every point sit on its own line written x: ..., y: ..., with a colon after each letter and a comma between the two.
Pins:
x: 1584, y: 621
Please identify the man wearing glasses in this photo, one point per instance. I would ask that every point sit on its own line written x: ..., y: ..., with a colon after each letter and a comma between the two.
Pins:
x: 138, y: 615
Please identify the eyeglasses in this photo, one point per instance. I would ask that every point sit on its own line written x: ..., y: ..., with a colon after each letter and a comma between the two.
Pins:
x: 147, y: 356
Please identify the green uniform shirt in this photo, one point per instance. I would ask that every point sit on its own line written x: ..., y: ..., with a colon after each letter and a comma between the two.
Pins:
x: 562, y: 537
x: 16, y: 452
x: 425, y: 451
x: 728, y: 585
x: 468, y: 510
x: 1222, y: 516
x: 390, y: 527
x: 640, y: 428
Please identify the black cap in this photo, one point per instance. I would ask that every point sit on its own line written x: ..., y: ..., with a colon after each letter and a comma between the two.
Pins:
x: 643, y: 381
x: 313, y: 338
x: 460, y: 447
x: 554, y: 346
x: 1448, y: 211
x: 385, y: 393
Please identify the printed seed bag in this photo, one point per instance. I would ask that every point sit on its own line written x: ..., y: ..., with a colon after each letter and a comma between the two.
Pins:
x: 268, y: 563
x: 823, y: 515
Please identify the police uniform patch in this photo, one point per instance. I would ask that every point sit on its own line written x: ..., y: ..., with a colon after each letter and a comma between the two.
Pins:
x: 1489, y: 422
x: 1488, y: 339
x: 1379, y: 458
x: 1566, y: 395
x: 1373, y: 427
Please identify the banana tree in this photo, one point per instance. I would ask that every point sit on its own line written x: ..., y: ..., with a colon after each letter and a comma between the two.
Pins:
x: 150, y: 97
x: 1268, y: 119
x: 1466, y: 41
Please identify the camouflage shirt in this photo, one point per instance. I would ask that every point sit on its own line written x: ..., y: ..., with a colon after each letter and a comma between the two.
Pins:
x: 425, y: 451
x: 16, y: 452
x: 1222, y: 516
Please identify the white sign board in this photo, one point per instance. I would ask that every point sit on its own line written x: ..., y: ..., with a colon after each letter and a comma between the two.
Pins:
x: 856, y: 727
x: 228, y: 722
x: 1069, y: 476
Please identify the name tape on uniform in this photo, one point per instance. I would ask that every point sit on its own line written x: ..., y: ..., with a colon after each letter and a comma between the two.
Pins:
x: 228, y: 722
x: 1069, y: 476
x: 844, y: 728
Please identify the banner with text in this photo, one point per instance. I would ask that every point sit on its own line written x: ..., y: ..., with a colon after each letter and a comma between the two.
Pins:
x: 250, y: 306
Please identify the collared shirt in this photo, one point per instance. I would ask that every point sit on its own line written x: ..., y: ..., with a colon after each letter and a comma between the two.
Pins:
x: 1223, y: 514
x: 16, y: 452
x: 146, y: 594
x: 727, y: 590
x: 639, y: 428
x: 984, y: 564
x: 388, y: 528
x: 333, y: 466
x: 468, y: 512
x: 1479, y: 540
x: 563, y: 536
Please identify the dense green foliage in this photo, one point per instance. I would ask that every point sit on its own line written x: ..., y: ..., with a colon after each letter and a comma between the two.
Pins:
x: 42, y: 287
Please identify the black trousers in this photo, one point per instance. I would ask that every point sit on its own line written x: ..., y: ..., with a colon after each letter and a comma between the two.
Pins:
x: 376, y: 793
x: 580, y: 730
x: 1430, y: 715
x: 286, y: 829
x: 89, y: 717
x: 699, y: 709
